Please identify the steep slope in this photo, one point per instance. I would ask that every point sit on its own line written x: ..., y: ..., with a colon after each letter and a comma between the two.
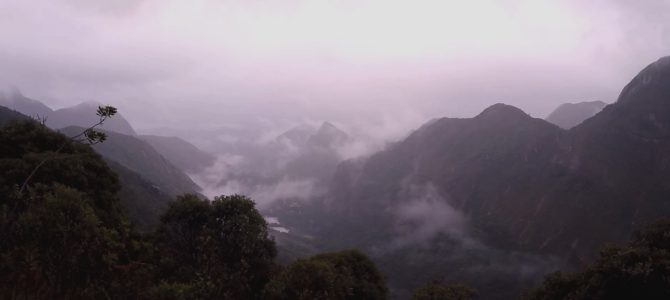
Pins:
x: 297, y: 136
x: 507, y: 181
x: 142, y: 201
x: 7, y: 115
x: 181, y: 153
x: 476, y: 164
x: 618, y: 171
x: 569, y: 115
x: 318, y: 157
x: 83, y: 115
x: 623, y: 156
x: 29, y: 107
x: 526, y: 184
x: 138, y: 156
x: 328, y: 136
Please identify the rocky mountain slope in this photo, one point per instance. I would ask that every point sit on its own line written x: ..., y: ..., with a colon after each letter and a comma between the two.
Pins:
x: 507, y: 182
x: 138, y: 156
x: 529, y: 185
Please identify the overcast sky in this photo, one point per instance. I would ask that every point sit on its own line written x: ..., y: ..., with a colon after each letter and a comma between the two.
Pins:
x: 175, y: 62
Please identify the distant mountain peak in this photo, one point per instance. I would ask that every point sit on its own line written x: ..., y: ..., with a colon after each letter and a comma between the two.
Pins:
x: 328, y: 135
x: 83, y: 114
x: 298, y: 135
x: 329, y: 129
x: 568, y: 115
x: 502, y: 111
x: 327, y: 126
x: 89, y: 103
x: 27, y: 106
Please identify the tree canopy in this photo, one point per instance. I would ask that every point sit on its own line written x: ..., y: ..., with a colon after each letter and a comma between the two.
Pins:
x: 65, y: 236
x: 443, y: 291
x: 219, y: 249
x: 637, y: 270
x: 338, y: 275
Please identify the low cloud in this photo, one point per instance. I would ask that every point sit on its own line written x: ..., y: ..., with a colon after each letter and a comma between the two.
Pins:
x: 228, y: 176
x: 426, y: 216
x: 300, y: 190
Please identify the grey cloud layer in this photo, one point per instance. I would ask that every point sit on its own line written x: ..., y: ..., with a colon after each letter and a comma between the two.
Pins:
x: 228, y: 60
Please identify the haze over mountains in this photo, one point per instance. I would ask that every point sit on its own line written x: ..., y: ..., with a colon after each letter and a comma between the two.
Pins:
x: 502, y: 197
x: 82, y: 115
x: 335, y: 150
x: 149, y: 180
x: 509, y: 181
x: 455, y: 192
x: 569, y: 115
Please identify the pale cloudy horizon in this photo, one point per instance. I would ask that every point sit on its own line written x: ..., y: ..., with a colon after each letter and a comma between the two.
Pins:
x: 206, y: 63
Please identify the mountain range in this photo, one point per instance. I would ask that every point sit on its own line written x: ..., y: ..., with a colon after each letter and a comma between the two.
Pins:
x: 82, y: 115
x: 505, y: 181
x: 149, y: 178
x: 496, y: 200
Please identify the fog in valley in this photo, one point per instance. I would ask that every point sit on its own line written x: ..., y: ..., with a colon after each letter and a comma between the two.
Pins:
x: 370, y: 125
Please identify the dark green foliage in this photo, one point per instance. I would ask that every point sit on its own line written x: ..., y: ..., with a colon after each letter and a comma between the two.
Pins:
x: 23, y: 145
x: 90, y: 134
x: 220, y: 249
x: 141, y: 158
x: 639, y: 270
x: 142, y: 201
x: 306, y: 279
x: 338, y: 275
x: 65, y: 236
x: 56, y: 247
x: 179, y: 236
x: 444, y: 291
x: 173, y: 291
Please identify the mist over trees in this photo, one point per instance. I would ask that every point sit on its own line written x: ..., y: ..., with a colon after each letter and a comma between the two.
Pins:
x: 67, y: 236
x: 496, y: 201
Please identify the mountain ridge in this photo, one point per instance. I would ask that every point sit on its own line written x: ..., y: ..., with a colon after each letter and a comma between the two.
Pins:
x: 569, y: 115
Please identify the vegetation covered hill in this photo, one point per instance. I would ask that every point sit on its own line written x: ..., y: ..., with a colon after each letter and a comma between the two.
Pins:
x: 140, y: 157
x: 495, y: 201
x: 20, y: 103
x: 81, y: 115
x: 526, y: 182
x: 509, y: 182
x: 63, y: 237
x: 66, y: 237
x: 142, y: 199
x: 7, y: 115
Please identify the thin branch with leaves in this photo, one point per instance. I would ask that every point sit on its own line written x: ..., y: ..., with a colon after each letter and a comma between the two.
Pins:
x: 89, y: 136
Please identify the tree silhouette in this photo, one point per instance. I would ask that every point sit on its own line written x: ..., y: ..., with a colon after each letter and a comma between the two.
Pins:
x: 88, y: 136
